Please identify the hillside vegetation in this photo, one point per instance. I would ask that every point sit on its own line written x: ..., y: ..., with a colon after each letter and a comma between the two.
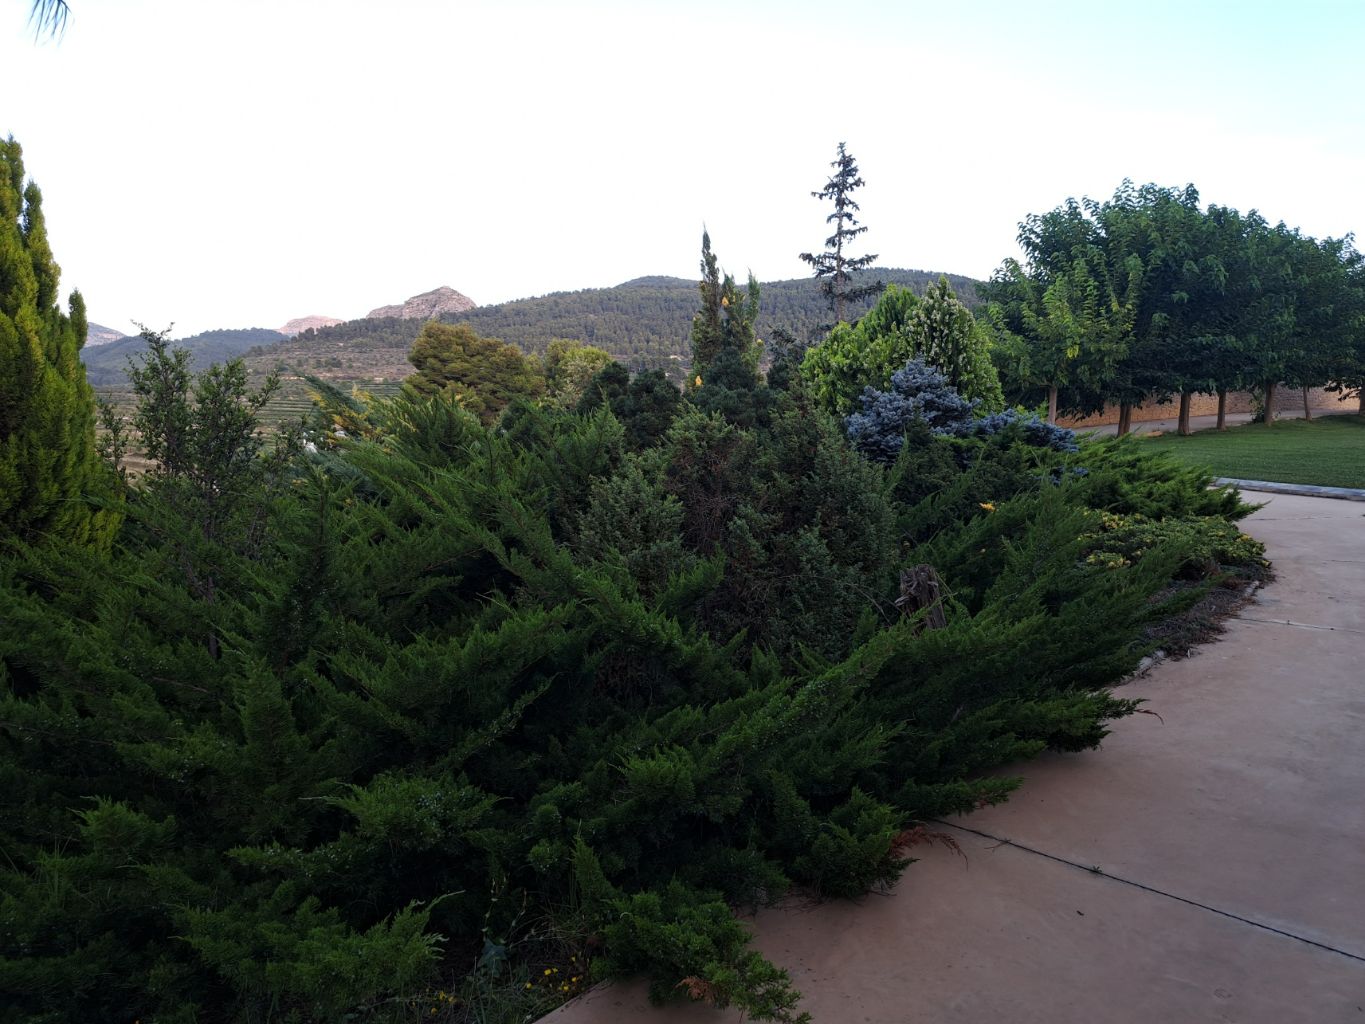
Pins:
x: 643, y: 323
x: 105, y: 364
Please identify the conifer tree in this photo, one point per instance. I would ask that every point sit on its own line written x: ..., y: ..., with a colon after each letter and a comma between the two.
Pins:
x: 833, y: 268
x: 49, y: 467
x: 725, y: 322
x: 484, y: 374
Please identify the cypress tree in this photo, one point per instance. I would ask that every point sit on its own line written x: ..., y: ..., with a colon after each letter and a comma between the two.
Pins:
x: 725, y: 321
x: 49, y: 467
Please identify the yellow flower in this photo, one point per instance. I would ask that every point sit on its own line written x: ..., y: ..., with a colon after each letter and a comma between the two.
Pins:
x: 547, y: 972
x: 724, y: 301
x: 987, y: 505
x: 698, y: 382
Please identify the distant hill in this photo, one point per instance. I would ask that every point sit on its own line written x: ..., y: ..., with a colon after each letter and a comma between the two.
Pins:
x: 98, y: 334
x: 104, y: 365
x: 645, y: 323
x: 427, y: 305
x: 304, y: 323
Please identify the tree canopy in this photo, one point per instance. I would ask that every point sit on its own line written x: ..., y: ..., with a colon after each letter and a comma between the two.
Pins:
x: 938, y: 329
x: 1149, y: 296
x: 51, y: 476
x: 484, y: 374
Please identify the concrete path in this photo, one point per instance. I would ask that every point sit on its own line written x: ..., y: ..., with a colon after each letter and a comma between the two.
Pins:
x: 1227, y: 840
x: 1307, y: 490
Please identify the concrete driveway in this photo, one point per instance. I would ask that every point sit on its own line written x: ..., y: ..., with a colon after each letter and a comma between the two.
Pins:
x: 1205, y: 866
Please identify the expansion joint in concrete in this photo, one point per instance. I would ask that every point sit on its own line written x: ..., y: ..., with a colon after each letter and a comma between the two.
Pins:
x: 1097, y: 870
x: 1300, y: 625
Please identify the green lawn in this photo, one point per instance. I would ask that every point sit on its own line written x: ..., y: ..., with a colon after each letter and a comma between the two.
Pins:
x: 1329, y: 451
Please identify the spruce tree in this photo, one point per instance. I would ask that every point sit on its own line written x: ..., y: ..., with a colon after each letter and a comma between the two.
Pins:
x: 833, y: 269
x: 49, y: 467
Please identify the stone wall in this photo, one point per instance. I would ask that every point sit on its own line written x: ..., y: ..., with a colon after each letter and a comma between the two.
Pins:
x: 1286, y: 400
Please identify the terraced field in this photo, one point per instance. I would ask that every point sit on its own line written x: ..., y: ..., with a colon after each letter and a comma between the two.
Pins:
x: 290, y: 404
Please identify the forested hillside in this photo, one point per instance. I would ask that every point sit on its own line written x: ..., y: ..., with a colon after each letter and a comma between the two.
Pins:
x: 643, y: 323
x: 104, y: 365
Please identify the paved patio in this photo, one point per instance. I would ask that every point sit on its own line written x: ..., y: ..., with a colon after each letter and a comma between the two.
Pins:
x: 1205, y: 866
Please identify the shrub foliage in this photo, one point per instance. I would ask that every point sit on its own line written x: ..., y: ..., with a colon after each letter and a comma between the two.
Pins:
x: 609, y: 671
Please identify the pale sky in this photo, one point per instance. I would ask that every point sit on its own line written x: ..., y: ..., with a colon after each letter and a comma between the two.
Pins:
x: 235, y: 164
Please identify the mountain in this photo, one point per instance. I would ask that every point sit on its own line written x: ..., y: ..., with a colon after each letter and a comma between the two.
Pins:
x: 307, y: 323
x: 645, y: 323
x: 98, y: 334
x: 427, y: 305
x: 104, y: 365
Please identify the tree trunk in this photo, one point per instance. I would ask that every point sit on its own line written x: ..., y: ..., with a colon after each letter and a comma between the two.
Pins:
x: 1125, y: 417
x: 1184, y: 425
x: 921, y: 588
x: 1307, y: 407
x: 1269, y: 403
x: 1052, y: 403
x: 1222, y: 408
x: 1361, y: 410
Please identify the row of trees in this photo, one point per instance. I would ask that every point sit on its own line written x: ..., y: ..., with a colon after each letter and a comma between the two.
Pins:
x: 1149, y: 296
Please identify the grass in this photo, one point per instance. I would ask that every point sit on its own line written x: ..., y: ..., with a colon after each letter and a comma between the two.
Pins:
x: 1329, y: 451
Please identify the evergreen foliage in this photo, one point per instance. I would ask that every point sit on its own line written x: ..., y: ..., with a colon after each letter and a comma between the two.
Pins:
x: 918, y: 392
x: 53, y: 485
x: 484, y: 374
x: 645, y: 405
x: 725, y: 322
x: 938, y: 329
x: 833, y: 268
x: 443, y: 687
x: 569, y: 367
x: 1031, y: 430
x: 943, y: 332
x: 472, y: 679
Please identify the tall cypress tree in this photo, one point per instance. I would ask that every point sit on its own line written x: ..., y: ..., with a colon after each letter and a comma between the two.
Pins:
x: 725, y: 321
x: 49, y: 468
x: 833, y: 269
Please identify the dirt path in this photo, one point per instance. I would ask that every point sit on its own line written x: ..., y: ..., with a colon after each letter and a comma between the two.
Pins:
x: 1229, y: 843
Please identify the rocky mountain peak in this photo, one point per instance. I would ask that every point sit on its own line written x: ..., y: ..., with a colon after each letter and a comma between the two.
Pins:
x: 303, y: 323
x: 427, y: 305
x: 98, y: 334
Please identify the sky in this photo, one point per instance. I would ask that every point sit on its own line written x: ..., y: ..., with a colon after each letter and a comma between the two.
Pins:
x: 234, y: 164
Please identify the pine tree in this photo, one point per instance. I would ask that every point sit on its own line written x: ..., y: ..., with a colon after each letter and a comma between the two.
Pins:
x: 49, y: 467
x: 832, y: 267
x: 484, y: 374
